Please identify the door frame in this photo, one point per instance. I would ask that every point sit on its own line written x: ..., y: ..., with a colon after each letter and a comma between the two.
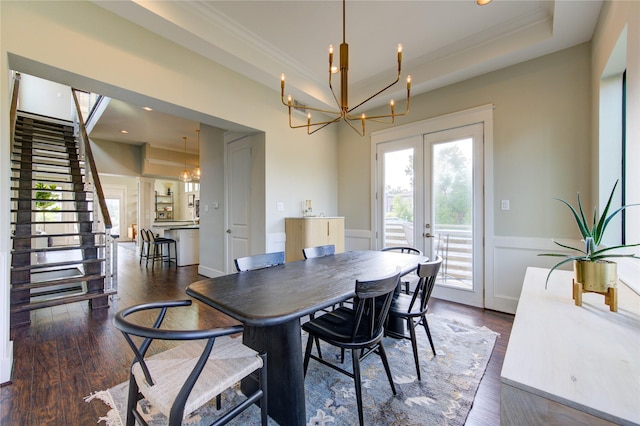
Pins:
x: 481, y: 114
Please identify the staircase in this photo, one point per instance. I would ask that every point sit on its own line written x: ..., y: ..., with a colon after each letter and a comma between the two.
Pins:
x: 57, y: 257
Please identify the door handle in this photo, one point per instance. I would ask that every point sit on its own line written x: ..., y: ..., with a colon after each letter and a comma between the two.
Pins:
x: 428, y: 235
x: 228, y: 231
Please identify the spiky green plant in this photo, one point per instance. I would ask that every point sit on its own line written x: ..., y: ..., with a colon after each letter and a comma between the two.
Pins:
x: 591, y: 235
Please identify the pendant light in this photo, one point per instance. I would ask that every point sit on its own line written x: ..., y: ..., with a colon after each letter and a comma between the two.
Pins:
x: 343, y: 111
x: 195, y: 174
x: 185, y: 176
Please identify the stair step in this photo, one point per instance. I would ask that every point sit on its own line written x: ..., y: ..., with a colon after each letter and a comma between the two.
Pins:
x: 72, y: 234
x: 49, y: 172
x: 47, y: 180
x: 44, y: 222
x: 41, y: 146
x: 14, y: 188
x: 59, y: 301
x: 58, y: 248
x: 52, y: 211
x: 36, y: 152
x: 57, y: 201
x: 60, y: 281
x: 56, y: 264
x: 61, y: 163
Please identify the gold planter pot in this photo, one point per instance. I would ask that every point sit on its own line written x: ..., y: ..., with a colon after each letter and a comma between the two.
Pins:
x: 596, y: 276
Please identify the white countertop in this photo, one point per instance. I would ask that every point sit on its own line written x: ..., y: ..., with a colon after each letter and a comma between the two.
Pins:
x: 585, y: 357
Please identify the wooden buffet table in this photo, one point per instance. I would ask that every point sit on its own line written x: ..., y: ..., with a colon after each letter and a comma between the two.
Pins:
x: 567, y: 364
x: 270, y: 302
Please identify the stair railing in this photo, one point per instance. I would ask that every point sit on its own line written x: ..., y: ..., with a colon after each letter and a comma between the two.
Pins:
x: 92, y: 180
x: 13, y: 115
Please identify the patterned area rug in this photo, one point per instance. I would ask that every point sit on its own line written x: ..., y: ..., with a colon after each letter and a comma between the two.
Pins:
x: 443, y: 397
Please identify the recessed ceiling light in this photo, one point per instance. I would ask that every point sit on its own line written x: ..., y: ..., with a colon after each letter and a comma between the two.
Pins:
x: 482, y: 2
x: 124, y: 132
x: 147, y: 108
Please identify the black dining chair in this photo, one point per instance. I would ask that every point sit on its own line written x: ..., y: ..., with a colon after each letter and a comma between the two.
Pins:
x: 413, y: 308
x: 180, y: 380
x: 313, y: 252
x: 319, y: 251
x: 359, y: 329
x: 259, y: 261
x: 407, y: 250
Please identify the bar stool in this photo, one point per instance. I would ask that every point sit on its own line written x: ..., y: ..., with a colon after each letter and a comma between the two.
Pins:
x: 158, y: 244
x: 144, y: 246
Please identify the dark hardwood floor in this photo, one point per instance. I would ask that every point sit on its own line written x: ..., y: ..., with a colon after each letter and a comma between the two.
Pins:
x: 70, y: 351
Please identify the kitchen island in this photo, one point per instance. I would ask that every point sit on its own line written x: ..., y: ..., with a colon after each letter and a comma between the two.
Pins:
x: 187, y: 236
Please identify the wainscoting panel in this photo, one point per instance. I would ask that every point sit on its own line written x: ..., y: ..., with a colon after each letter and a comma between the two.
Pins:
x: 511, y: 257
x: 358, y: 239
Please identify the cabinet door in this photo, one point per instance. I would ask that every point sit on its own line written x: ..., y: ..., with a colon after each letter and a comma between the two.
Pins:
x: 295, y: 235
x: 336, y: 233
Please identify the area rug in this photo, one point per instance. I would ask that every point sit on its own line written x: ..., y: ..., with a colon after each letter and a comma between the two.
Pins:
x: 443, y: 397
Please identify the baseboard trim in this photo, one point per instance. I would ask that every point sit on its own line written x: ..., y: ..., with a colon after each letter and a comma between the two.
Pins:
x: 6, y: 365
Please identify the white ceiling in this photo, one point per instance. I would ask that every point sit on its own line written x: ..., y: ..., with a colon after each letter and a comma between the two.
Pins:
x: 443, y: 42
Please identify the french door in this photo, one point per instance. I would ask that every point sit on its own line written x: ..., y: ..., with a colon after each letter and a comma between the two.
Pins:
x: 429, y: 196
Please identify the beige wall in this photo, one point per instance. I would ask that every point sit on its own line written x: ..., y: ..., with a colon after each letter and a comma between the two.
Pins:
x: 541, y: 141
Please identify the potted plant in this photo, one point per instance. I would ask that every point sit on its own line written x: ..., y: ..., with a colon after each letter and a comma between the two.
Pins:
x: 591, y: 266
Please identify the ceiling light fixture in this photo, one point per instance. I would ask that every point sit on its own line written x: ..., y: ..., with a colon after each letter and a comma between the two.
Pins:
x: 344, y: 112
x: 185, y: 176
x: 195, y: 174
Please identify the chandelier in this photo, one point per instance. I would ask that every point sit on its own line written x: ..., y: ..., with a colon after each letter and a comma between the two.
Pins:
x: 196, y: 173
x: 344, y: 112
x: 185, y: 176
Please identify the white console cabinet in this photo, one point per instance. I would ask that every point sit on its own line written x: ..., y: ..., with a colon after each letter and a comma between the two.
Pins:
x: 568, y: 364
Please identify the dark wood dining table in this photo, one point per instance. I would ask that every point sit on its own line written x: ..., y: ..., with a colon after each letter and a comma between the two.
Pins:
x: 270, y: 302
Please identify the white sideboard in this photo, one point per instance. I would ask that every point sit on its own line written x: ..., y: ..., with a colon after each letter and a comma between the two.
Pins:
x: 567, y: 364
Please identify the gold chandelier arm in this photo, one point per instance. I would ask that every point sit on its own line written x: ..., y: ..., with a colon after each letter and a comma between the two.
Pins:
x: 309, y: 124
x: 378, y: 118
x: 375, y: 94
x: 348, y: 121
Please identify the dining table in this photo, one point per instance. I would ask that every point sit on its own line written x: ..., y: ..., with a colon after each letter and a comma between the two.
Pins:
x: 271, y: 302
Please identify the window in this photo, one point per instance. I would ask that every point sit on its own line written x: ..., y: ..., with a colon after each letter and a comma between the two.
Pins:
x: 191, y: 187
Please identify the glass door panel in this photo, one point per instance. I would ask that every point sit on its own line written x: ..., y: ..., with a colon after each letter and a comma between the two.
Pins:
x: 396, y: 193
x: 452, y: 193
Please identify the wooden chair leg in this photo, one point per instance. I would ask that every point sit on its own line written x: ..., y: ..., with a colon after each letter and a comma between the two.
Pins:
x: 425, y: 324
x: 414, y: 345
x: 132, y: 401
x: 385, y: 362
x: 307, y: 354
x: 356, y: 378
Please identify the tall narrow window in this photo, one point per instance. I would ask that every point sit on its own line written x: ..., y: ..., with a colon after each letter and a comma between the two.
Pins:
x: 623, y: 175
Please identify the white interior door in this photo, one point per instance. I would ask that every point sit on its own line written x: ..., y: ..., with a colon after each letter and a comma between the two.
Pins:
x: 430, y: 196
x: 238, y: 201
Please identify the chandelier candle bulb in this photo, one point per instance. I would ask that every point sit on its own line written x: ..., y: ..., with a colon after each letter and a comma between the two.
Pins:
x: 392, y: 104
x: 399, y: 53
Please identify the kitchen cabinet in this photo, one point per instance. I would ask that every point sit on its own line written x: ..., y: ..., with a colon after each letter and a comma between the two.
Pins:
x: 303, y: 232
